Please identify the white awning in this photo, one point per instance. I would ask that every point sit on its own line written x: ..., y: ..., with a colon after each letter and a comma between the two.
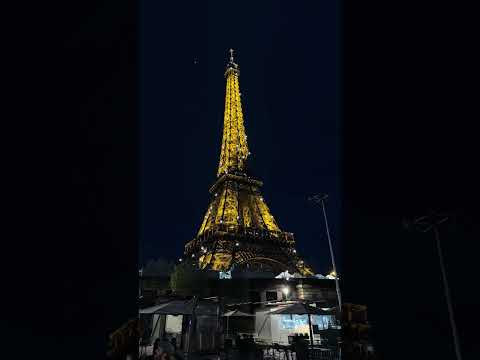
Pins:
x: 237, y: 313
x: 181, y: 307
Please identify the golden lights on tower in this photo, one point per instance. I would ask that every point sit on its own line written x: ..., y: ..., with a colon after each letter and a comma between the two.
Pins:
x: 234, y: 151
x: 238, y: 226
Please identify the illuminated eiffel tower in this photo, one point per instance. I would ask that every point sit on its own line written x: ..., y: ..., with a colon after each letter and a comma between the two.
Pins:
x: 238, y: 230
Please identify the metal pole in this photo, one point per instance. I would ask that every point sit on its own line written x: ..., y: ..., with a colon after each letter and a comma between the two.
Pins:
x: 317, y: 199
x: 310, y: 328
x: 227, y: 325
x: 425, y: 224
x: 447, y: 294
x: 339, y: 297
x: 154, y: 327
x: 191, y: 328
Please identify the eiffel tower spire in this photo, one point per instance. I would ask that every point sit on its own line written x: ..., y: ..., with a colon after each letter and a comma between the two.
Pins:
x: 238, y: 228
x: 234, y: 152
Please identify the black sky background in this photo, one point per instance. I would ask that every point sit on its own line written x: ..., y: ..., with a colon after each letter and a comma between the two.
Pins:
x: 409, y: 146
x: 289, y: 81
x: 408, y: 143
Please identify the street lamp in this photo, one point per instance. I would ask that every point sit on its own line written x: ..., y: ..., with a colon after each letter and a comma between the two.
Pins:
x: 320, y: 199
x: 425, y: 224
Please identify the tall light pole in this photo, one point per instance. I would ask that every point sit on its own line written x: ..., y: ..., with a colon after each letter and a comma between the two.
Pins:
x: 425, y: 224
x: 320, y: 200
x: 140, y: 273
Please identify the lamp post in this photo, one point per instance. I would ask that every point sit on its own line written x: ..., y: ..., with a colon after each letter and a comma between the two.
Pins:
x: 191, y: 327
x: 425, y: 224
x: 140, y: 273
x: 320, y: 200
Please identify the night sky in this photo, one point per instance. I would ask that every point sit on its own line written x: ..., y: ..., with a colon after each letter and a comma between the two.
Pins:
x: 289, y: 62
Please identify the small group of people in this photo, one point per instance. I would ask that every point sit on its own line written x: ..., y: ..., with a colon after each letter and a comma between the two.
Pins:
x: 246, y: 346
x: 165, y: 350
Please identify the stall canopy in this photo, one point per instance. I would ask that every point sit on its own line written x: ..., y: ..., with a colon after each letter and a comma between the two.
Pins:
x: 204, y: 308
x: 300, y: 309
x: 237, y: 313
x: 181, y: 307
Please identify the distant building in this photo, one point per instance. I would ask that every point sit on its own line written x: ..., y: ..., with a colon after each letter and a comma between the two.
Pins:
x: 251, y: 290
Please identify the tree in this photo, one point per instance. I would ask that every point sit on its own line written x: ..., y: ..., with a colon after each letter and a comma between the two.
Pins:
x: 159, y: 267
x: 188, y: 280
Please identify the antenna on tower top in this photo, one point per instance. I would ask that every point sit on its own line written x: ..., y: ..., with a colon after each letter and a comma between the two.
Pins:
x: 231, y: 55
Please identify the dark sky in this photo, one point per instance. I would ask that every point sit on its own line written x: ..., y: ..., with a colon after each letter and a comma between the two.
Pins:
x: 409, y: 146
x: 289, y: 62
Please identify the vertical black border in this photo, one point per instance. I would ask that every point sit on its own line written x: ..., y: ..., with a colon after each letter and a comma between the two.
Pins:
x: 408, y: 149
x: 71, y: 253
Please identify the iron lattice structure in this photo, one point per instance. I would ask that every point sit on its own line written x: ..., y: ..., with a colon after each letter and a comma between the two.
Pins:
x: 238, y: 228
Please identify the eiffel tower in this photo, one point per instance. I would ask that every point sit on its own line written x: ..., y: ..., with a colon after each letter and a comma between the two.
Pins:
x: 238, y: 230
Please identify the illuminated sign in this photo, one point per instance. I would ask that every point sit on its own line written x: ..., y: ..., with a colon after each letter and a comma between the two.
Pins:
x: 225, y: 274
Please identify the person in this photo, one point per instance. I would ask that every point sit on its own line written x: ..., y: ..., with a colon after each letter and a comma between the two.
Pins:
x: 158, y: 354
x: 161, y: 354
x: 166, y: 345
x: 173, y: 341
x: 300, y: 347
x: 156, y: 344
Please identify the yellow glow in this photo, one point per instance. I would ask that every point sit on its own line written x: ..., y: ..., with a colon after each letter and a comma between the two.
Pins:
x: 267, y: 217
x: 237, y: 210
x: 304, y: 269
x: 238, y: 207
x: 234, y: 151
x: 222, y: 262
